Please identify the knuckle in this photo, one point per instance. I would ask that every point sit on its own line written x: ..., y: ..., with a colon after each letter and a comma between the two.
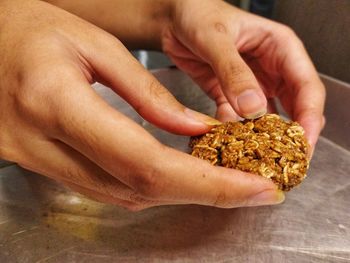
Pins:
x: 235, y: 74
x: 70, y: 174
x: 43, y: 99
x: 26, y: 100
x: 220, y: 27
x: 288, y: 34
x: 156, y: 90
x: 287, y: 37
x: 239, y: 81
x: 288, y: 30
x: 147, y: 184
x: 33, y: 98
x: 235, y: 71
x: 220, y: 200
x: 198, y: 37
x: 154, y: 93
x: 13, y: 148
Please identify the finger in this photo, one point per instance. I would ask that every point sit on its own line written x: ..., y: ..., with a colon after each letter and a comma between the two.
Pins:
x: 210, y: 185
x: 117, y: 68
x: 153, y: 171
x: 225, y: 112
x: 204, y: 76
x: 310, y: 116
x: 130, y: 205
x: 100, y: 197
x: 216, y: 47
x: 206, y: 79
x: 239, y: 85
x: 66, y: 165
x: 307, y: 90
x: 69, y: 167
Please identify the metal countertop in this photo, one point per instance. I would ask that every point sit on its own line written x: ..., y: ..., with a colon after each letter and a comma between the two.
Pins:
x: 40, y: 221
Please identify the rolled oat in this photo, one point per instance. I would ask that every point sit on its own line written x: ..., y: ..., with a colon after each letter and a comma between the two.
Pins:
x: 268, y: 146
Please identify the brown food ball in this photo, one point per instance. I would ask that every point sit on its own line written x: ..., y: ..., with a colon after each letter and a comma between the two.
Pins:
x: 268, y: 146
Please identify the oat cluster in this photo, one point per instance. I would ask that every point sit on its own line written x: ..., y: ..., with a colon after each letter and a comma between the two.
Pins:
x: 268, y: 146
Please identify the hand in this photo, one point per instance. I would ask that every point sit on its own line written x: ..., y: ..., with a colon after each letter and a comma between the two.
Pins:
x: 243, y: 62
x: 53, y: 123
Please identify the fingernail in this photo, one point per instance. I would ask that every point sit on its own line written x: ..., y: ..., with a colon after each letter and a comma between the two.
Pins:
x: 268, y: 197
x: 251, y: 104
x: 256, y: 115
x: 197, y: 116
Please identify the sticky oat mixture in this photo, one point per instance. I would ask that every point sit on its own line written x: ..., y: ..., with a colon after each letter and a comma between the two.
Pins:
x: 268, y: 146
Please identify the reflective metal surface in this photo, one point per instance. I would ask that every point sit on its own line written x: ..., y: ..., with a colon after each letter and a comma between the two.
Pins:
x: 40, y: 221
x: 337, y: 112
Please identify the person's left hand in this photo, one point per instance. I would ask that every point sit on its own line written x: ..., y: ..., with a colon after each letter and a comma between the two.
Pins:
x: 243, y: 62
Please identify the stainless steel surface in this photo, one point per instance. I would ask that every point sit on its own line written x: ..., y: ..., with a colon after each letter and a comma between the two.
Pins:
x: 40, y: 221
x: 337, y: 111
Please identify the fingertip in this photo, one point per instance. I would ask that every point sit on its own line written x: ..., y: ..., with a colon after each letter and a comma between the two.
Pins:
x: 215, y: 186
x: 201, y: 118
x: 267, y: 197
x: 226, y: 113
x: 252, y: 190
x: 262, y: 191
x: 312, y: 123
x: 181, y: 120
x: 251, y: 104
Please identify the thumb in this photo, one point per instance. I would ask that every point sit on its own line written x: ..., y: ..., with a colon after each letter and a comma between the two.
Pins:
x: 237, y: 80
x: 238, y: 83
x: 127, y: 77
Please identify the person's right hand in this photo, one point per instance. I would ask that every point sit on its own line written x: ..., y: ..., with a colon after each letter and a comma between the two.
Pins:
x: 52, y: 121
x: 245, y: 63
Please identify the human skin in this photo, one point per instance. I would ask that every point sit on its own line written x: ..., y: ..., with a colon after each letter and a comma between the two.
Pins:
x: 227, y: 51
x: 54, y: 123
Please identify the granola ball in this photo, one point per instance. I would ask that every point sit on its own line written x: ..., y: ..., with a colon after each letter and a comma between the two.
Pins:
x: 268, y: 146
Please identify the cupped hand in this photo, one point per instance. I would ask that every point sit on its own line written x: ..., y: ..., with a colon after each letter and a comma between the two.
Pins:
x: 244, y: 61
x: 53, y: 122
